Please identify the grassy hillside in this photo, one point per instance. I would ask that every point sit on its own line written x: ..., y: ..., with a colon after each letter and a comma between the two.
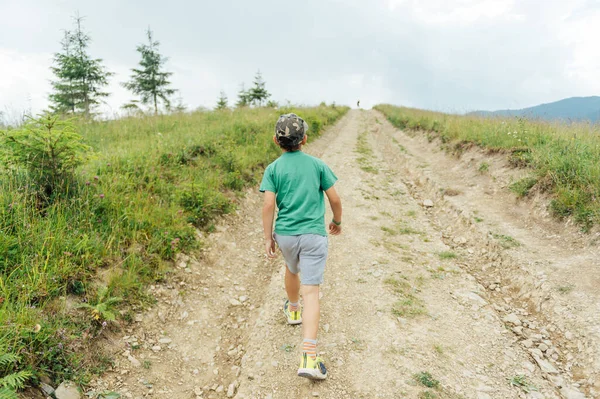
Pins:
x: 564, y: 160
x: 568, y: 109
x: 150, y: 184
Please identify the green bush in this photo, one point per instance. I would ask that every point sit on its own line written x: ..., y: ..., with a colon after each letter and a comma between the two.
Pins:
x: 49, y: 149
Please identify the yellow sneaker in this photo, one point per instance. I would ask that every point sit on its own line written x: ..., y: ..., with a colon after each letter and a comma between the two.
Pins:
x: 292, y: 317
x: 313, y: 369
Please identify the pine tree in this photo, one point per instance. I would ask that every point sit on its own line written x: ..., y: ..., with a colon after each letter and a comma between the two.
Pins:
x: 243, y: 97
x: 222, y: 103
x: 151, y: 82
x: 80, y: 78
x: 63, y: 98
x: 258, y: 93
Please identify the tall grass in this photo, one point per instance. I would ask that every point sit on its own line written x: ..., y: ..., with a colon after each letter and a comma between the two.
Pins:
x: 152, y: 182
x: 564, y: 159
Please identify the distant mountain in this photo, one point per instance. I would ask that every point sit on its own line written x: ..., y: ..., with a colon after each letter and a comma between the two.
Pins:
x: 574, y: 109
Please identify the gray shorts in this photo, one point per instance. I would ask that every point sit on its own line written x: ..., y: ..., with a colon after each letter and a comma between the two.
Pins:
x: 305, y: 254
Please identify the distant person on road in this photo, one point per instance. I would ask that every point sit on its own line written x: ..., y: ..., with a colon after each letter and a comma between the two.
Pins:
x: 297, y: 183
x: 358, y: 104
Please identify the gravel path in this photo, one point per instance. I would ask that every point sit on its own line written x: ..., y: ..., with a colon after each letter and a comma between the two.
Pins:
x: 440, y: 278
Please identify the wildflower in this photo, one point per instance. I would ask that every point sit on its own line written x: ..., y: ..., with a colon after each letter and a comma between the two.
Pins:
x: 104, y: 324
x: 37, y: 328
x: 87, y: 183
x: 96, y: 178
x: 101, y: 196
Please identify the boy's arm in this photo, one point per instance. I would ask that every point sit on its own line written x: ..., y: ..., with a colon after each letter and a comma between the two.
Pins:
x: 335, y: 227
x: 267, y: 216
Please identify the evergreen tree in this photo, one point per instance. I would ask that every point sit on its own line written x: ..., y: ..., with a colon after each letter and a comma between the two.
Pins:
x: 151, y: 82
x: 63, y: 99
x: 222, y: 103
x: 80, y: 78
x: 258, y: 93
x: 243, y: 98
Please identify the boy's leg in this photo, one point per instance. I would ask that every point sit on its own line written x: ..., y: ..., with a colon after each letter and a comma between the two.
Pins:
x: 311, y: 314
x: 290, y: 251
x: 292, y: 286
x: 313, y: 256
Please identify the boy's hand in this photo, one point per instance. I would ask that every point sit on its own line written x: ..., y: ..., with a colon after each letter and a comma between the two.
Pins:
x: 270, y: 248
x: 334, y: 229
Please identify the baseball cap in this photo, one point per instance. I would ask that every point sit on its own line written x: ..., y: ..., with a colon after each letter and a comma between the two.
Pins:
x: 290, y: 129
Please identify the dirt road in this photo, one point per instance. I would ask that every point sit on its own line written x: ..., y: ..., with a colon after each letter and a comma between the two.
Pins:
x: 442, y: 286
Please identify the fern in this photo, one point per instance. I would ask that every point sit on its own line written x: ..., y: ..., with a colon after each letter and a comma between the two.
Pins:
x: 8, y: 393
x: 15, y: 380
x: 7, y: 358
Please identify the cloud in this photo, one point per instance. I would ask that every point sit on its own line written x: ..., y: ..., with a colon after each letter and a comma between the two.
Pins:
x: 450, y: 55
x: 26, y: 80
x: 451, y: 13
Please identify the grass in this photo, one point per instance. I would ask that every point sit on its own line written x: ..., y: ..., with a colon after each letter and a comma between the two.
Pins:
x: 400, y: 229
x: 426, y: 379
x: 506, y: 242
x: 408, y: 305
x: 523, y: 186
x: 363, y: 148
x: 565, y: 289
x: 566, y: 157
x: 131, y: 210
x: 521, y: 381
x: 393, y: 246
x: 445, y: 255
x: 408, y: 230
x: 389, y: 230
x: 400, y: 146
x: 483, y: 167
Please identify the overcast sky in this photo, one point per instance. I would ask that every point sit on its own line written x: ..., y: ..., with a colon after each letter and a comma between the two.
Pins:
x: 452, y: 55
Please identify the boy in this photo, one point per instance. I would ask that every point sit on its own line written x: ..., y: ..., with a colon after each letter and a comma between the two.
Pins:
x: 296, y: 182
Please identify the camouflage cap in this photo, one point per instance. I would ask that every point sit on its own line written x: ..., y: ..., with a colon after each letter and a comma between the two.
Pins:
x: 290, y: 129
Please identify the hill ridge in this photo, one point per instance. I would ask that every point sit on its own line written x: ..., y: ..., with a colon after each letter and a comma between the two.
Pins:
x: 567, y: 109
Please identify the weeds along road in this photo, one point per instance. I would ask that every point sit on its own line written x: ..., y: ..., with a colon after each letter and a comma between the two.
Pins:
x: 465, y: 296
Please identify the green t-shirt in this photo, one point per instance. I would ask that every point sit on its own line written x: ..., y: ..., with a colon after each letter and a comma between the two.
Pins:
x: 298, y: 181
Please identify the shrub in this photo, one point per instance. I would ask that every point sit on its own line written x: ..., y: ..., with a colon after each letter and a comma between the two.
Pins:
x: 49, y: 149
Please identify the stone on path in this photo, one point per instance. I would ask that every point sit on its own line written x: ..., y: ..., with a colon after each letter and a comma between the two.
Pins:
x: 569, y: 393
x: 512, y: 319
x: 67, y: 390
x: 428, y: 203
x: 231, y: 391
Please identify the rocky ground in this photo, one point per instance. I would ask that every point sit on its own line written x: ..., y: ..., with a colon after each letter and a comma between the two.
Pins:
x: 442, y: 285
